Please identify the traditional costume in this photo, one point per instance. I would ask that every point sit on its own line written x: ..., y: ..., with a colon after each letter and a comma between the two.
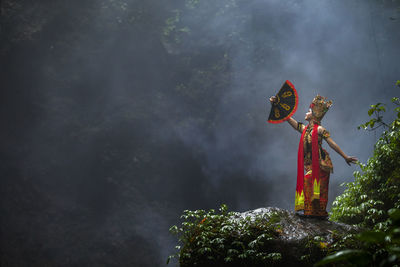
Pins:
x: 312, y: 188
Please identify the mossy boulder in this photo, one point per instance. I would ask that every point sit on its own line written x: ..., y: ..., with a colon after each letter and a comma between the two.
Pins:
x: 262, y: 237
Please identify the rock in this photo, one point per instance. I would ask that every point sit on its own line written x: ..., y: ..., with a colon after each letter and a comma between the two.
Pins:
x: 262, y: 237
x: 298, y: 235
x: 296, y: 228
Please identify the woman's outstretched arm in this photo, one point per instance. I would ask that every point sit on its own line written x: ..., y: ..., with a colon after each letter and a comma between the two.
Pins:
x: 334, y: 146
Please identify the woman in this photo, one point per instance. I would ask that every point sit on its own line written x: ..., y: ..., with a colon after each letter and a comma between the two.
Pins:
x: 312, y: 189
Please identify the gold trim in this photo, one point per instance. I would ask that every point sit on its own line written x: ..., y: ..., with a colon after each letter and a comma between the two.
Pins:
x: 316, y: 189
x: 287, y: 94
x: 277, y: 114
x: 299, y: 201
x: 285, y: 106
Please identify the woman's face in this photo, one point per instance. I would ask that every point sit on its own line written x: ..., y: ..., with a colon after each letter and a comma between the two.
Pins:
x: 308, y: 115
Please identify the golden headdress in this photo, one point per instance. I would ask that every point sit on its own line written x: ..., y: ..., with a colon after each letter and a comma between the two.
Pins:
x: 320, y: 106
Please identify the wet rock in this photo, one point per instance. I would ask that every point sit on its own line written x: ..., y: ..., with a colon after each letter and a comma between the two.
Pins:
x: 296, y: 233
x: 262, y: 237
x: 296, y: 228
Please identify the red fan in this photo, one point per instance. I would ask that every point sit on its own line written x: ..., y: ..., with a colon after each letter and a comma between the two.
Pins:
x: 285, y: 105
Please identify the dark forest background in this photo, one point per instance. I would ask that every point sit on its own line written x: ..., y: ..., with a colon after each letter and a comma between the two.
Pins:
x: 119, y: 114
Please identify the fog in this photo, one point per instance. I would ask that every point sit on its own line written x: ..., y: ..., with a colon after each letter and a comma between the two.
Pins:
x: 113, y: 125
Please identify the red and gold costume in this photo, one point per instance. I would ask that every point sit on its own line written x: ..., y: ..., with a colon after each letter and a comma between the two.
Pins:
x: 312, y: 188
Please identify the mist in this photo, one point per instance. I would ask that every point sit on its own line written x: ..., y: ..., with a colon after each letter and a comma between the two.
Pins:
x: 118, y: 115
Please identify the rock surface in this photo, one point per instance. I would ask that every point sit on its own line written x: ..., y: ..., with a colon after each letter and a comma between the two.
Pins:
x: 296, y: 228
x: 261, y: 237
x: 296, y: 233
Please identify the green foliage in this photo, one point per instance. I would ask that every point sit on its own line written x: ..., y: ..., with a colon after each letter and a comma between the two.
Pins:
x: 230, y: 239
x: 378, y: 248
x: 211, y: 239
x: 315, y: 248
x: 375, y: 190
x: 351, y: 256
x: 319, y: 247
x: 376, y: 110
x: 373, y: 200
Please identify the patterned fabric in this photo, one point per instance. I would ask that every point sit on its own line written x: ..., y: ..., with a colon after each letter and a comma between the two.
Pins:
x: 299, y: 126
x: 313, y: 198
x: 316, y: 195
x: 325, y: 134
x: 324, y: 159
x: 299, y: 199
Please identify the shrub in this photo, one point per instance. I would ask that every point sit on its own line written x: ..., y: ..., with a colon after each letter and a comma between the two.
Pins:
x: 376, y: 188
x: 211, y: 239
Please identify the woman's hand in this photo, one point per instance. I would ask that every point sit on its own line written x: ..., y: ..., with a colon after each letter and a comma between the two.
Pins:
x: 350, y: 159
x: 273, y: 99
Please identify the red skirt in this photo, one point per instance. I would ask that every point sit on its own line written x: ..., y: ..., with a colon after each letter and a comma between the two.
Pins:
x: 316, y: 194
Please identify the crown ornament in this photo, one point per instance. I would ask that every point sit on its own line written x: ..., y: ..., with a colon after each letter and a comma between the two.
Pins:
x: 319, y: 106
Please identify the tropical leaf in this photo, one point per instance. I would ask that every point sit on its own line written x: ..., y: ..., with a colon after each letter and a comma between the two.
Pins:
x: 359, y: 257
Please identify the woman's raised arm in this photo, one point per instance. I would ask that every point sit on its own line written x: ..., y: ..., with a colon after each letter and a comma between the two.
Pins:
x: 295, y: 124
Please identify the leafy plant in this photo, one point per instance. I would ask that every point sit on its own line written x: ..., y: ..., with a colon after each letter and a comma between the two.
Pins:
x: 373, y: 199
x: 376, y: 110
x: 376, y: 189
x: 378, y: 248
x: 211, y: 239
